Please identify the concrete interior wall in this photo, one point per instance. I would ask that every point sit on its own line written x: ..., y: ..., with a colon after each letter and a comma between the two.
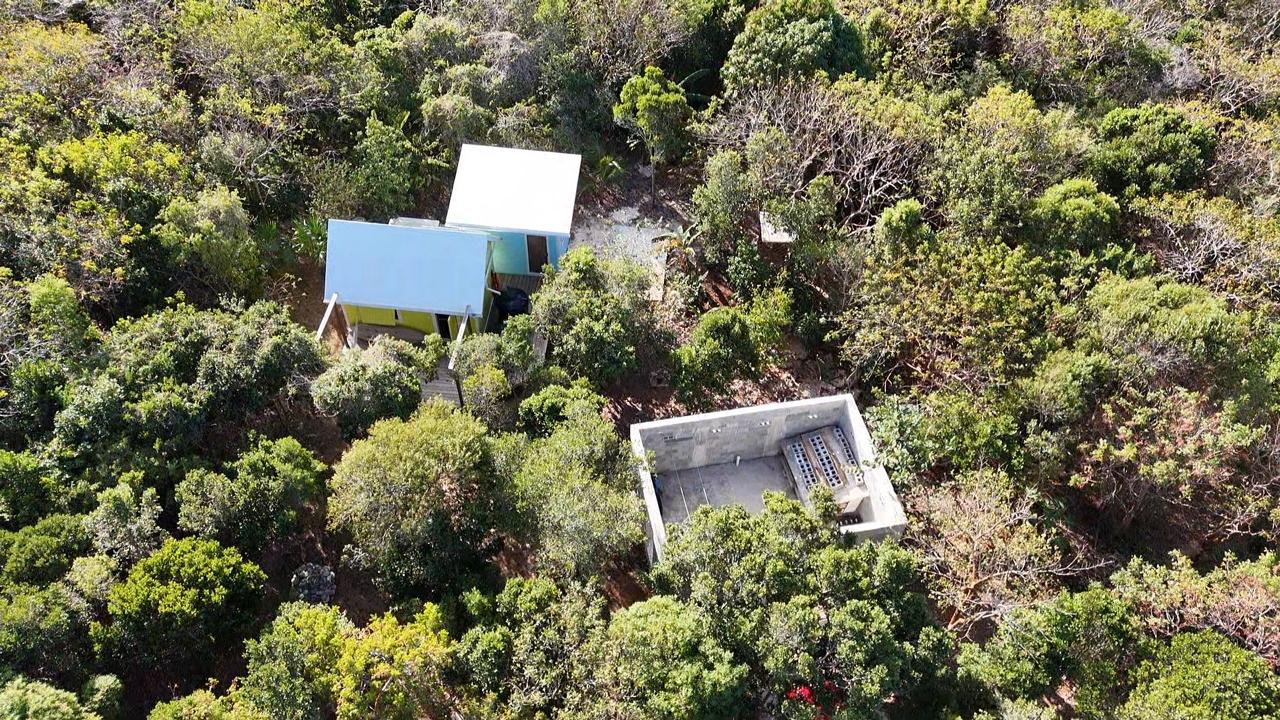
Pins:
x: 746, y: 433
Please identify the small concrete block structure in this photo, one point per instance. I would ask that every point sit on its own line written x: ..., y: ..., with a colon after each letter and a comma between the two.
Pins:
x: 734, y: 456
x: 771, y: 233
x: 525, y: 198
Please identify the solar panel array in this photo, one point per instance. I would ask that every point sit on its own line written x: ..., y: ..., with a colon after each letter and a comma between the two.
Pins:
x: 807, y: 475
x: 825, y: 461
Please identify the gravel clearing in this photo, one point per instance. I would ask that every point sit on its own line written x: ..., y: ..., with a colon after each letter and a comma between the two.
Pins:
x: 623, y: 233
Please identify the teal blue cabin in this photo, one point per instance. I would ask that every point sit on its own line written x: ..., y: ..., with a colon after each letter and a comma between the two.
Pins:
x: 428, y: 280
x: 524, y: 198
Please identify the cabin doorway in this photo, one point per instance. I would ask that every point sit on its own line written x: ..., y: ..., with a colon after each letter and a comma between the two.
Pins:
x: 537, y: 245
x: 442, y: 326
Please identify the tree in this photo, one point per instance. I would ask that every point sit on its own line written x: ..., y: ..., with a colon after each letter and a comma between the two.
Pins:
x: 174, y: 605
x: 575, y: 490
x: 1203, y: 675
x: 869, y: 143
x: 658, y: 659
x: 1150, y: 150
x: 982, y: 550
x: 396, y: 670
x: 792, y: 39
x: 525, y: 652
x: 415, y: 496
x: 763, y: 580
x: 598, y: 312
x: 292, y: 667
x: 657, y: 111
x: 258, y: 501
x: 125, y: 524
x: 384, y: 380
x: 1093, y: 639
x: 1236, y: 598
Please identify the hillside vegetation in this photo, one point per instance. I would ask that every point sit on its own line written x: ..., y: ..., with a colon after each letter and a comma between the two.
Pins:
x: 1038, y: 239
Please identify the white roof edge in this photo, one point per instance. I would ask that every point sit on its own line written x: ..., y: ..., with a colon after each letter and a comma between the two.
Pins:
x: 520, y: 231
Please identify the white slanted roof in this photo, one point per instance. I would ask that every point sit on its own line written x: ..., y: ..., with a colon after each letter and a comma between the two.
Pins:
x: 526, y: 191
x: 428, y: 269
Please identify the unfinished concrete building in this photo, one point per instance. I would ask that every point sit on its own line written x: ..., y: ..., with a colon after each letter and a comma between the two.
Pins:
x: 735, y: 456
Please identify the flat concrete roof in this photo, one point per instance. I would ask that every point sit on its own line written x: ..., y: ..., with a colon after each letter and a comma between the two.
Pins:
x: 680, y: 492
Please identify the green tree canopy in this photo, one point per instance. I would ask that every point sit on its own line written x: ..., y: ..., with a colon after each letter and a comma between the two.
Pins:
x: 416, y: 496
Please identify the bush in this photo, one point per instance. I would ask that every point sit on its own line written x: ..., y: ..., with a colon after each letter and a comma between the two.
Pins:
x: 728, y: 343
x: 125, y: 524
x: 415, y: 496
x: 176, y: 604
x: 1151, y: 150
x: 720, y: 350
x: 485, y: 393
x: 43, y: 633
x: 1074, y: 215
x: 23, y: 699
x: 385, y: 380
x: 259, y: 500
x: 542, y: 411
x: 26, y: 490
x: 574, y: 492
x: 598, y: 313
x: 103, y: 694
x: 211, y: 234
x: 792, y: 39
x: 39, y: 554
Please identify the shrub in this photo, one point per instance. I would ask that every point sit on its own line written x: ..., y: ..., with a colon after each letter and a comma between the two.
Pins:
x: 176, y: 604
x: 1151, y: 150
x: 415, y: 496
x: 598, y: 313
x: 257, y: 502
x: 41, y: 553
x: 23, y: 699
x: 125, y: 524
x: 1074, y: 215
x: 720, y: 350
x: 792, y: 39
x: 542, y: 411
x: 485, y: 393
x: 385, y: 380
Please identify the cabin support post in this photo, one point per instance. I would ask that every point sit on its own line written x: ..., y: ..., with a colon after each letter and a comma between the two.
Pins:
x: 328, y: 313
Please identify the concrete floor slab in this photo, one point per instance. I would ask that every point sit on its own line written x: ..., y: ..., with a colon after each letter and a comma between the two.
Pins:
x: 681, y: 492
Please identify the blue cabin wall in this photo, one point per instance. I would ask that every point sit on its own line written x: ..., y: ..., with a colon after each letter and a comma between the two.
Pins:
x: 511, y: 253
